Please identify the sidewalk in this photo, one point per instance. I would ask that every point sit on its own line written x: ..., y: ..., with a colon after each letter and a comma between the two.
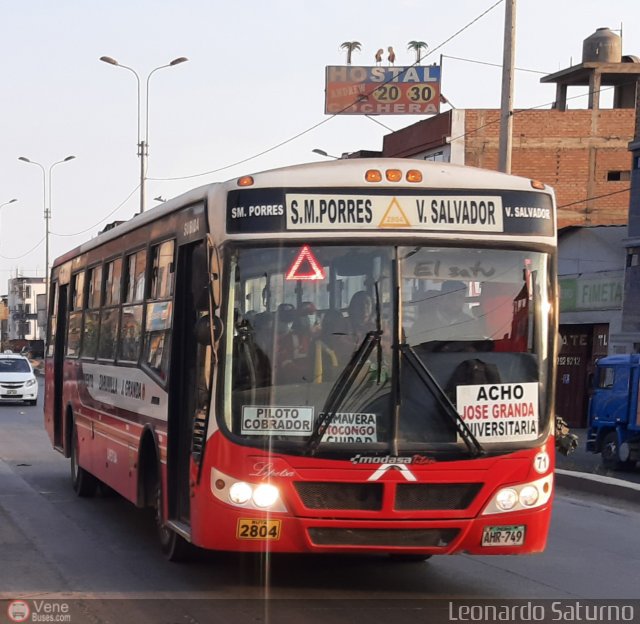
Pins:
x: 583, y: 471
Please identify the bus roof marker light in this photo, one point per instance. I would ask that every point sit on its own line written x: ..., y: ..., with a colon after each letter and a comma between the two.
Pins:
x: 306, y: 266
x: 373, y: 175
x: 413, y: 175
x: 393, y: 175
x: 245, y: 181
x: 536, y: 184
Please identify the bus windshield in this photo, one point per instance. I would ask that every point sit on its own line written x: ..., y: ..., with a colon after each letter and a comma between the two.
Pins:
x: 427, y: 331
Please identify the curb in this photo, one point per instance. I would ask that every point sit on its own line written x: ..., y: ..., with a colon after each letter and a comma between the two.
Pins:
x: 597, y: 484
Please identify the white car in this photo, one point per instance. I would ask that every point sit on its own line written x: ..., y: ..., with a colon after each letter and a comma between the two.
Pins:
x: 17, y: 380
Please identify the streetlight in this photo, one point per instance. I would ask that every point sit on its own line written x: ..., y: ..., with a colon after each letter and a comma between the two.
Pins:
x: 47, y: 214
x: 143, y: 142
x: 323, y: 153
x: 7, y: 203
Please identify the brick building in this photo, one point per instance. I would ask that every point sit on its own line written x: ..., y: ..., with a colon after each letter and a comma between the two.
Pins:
x: 583, y: 154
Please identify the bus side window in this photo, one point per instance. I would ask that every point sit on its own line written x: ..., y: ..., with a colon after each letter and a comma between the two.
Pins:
x: 110, y: 313
x: 53, y: 319
x: 157, y: 339
x: 92, y: 314
x: 74, y: 334
x: 133, y: 291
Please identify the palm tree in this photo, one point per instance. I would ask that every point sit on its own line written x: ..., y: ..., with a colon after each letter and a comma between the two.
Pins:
x: 350, y: 46
x: 417, y: 47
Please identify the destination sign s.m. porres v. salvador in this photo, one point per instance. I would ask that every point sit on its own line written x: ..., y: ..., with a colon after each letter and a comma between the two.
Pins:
x: 528, y: 213
x: 478, y: 213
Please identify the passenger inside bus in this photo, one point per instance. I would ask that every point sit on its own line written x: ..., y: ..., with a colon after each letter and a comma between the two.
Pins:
x: 294, y: 336
x: 263, y: 332
x: 334, y: 348
x: 444, y: 315
x: 360, y: 316
x: 303, y: 329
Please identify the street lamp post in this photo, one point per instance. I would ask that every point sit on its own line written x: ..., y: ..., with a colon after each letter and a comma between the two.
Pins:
x: 8, y: 202
x: 47, y: 215
x: 143, y: 141
x: 323, y: 153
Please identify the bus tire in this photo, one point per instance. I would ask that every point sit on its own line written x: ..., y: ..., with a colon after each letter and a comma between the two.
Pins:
x: 173, y: 546
x: 610, y: 454
x: 84, y: 483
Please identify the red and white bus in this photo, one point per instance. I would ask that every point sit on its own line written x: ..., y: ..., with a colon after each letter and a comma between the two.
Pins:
x: 345, y: 357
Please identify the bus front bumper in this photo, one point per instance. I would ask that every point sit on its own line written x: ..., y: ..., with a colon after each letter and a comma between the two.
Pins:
x: 497, y: 534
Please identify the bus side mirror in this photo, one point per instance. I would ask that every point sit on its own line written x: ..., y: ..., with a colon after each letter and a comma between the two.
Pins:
x: 203, y: 330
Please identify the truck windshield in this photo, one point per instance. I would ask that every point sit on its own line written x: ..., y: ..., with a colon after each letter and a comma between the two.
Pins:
x: 455, y: 334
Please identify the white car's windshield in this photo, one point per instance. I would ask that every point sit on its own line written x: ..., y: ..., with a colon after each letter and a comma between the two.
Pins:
x: 14, y: 365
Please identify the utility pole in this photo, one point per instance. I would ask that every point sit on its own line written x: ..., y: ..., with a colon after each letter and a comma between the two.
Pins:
x: 508, y: 66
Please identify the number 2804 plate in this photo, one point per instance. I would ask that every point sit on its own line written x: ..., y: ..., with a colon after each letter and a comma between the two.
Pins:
x: 258, y: 529
x: 503, y: 535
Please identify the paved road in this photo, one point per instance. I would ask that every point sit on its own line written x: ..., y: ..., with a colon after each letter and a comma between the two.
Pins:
x: 581, y: 461
x: 54, y: 545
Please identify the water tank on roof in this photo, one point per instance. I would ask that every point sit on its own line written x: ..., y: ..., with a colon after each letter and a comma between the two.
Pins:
x: 604, y: 46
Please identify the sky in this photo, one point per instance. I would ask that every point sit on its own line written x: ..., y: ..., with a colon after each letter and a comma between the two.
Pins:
x: 254, y: 81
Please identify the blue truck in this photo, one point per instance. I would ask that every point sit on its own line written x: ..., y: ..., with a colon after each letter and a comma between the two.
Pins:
x: 614, y: 412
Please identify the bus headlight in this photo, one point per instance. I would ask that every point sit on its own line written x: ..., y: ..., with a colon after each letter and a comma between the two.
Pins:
x: 239, y: 492
x: 265, y: 495
x: 506, y: 499
x: 257, y: 496
x: 528, y: 496
x: 521, y: 497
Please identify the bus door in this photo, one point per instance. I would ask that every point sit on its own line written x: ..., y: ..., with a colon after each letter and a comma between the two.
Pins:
x: 58, y: 364
x: 188, y: 388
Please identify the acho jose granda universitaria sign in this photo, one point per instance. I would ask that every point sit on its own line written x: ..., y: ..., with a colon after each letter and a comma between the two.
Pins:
x: 356, y: 90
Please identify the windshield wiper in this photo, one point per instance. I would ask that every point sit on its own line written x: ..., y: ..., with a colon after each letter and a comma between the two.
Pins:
x: 341, y: 387
x: 475, y: 448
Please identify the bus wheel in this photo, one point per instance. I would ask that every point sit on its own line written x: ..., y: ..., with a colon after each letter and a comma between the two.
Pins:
x: 399, y: 558
x: 611, y: 454
x: 174, y: 547
x: 84, y: 483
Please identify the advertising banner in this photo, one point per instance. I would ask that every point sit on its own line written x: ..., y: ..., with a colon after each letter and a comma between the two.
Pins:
x: 356, y: 90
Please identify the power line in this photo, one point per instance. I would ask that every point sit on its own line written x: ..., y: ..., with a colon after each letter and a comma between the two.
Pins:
x: 24, y: 254
x: 471, y: 23
x: 581, y: 201
x: 274, y: 147
x: 379, y: 123
x: 334, y: 115
x: 458, y: 58
x: 122, y: 203
x: 531, y: 108
x: 77, y: 233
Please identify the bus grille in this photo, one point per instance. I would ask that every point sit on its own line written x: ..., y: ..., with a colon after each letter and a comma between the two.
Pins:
x: 360, y: 496
x: 410, y: 538
x: 433, y: 496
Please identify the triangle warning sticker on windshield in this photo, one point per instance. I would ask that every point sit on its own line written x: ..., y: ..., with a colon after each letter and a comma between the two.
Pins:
x: 306, y: 266
x: 394, y: 217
